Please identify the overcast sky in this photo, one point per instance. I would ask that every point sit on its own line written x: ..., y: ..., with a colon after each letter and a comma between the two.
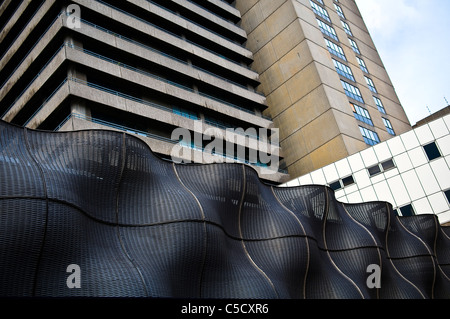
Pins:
x: 413, y: 39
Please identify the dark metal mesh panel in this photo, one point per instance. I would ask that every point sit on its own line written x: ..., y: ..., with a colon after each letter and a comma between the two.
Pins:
x: 139, y: 226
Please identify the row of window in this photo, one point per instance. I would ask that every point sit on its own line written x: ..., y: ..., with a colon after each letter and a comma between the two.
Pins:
x: 361, y: 114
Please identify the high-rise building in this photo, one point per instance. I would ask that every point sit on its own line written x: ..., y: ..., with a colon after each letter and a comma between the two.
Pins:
x: 144, y: 67
x: 325, y: 82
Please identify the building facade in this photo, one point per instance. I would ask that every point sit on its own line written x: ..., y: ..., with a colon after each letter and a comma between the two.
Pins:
x: 145, y: 67
x: 410, y: 171
x: 326, y: 86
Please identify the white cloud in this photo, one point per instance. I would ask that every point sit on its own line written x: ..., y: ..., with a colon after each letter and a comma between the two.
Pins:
x: 411, y: 37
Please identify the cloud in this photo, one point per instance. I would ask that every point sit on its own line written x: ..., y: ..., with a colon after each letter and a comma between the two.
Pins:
x: 387, y: 17
x: 411, y: 37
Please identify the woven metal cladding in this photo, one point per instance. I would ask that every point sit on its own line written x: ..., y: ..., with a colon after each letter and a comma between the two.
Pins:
x: 139, y: 226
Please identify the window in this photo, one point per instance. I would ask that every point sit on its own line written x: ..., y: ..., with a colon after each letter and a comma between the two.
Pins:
x: 362, y: 64
x: 379, y: 105
x: 361, y: 114
x: 389, y: 127
x: 354, y: 46
x: 370, y: 137
x: 339, y: 11
x: 342, y: 183
x: 432, y: 151
x: 447, y: 194
x: 374, y: 170
x: 348, y: 181
x: 352, y: 91
x: 347, y: 28
x: 327, y: 30
x: 344, y: 70
x: 388, y: 165
x: 381, y: 168
x: 185, y: 113
x: 406, y: 211
x: 371, y: 84
x: 321, y: 12
x: 336, y: 186
x: 335, y: 50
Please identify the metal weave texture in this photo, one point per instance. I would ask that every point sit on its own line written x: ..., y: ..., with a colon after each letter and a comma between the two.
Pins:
x: 139, y: 226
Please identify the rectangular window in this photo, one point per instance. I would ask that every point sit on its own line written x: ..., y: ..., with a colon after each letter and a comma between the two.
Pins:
x: 432, y: 151
x: 371, y: 85
x: 389, y: 127
x: 344, y: 70
x: 354, y: 46
x: 374, y: 170
x: 352, y: 91
x: 185, y: 113
x: 406, y: 211
x: 379, y: 105
x: 321, y: 12
x: 339, y: 11
x: 362, y: 65
x: 348, y: 181
x: 347, y: 28
x: 370, y: 137
x: 335, y: 50
x: 361, y: 114
x: 388, y: 165
x: 327, y: 30
x: 447, y: 194
x: 382, y: 167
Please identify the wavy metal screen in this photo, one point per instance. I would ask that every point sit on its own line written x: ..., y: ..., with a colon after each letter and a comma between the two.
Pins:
x: 139, y: 226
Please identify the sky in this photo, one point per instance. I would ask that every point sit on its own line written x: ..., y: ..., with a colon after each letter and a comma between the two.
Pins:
x: 418, y: 69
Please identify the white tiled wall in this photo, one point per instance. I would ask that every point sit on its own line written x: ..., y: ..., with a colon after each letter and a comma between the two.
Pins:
x: 415, y: 180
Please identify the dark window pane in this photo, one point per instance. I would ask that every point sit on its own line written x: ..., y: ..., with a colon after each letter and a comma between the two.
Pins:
x: 336, y: 186
x: 388, y: 165
x: 432, y: 151
x: 447, y: 193
x: 348, y: 181
x: 407, y: 211
x: 374, y: 170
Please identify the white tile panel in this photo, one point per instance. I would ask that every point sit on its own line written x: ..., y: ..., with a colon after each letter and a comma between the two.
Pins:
x: 362, y: 178
x: 447, y: 120
x: 391, y: 173
x: 410, y: 140
x: 438, y: 128
x: 331, y: 174
x: 343, y: 168
x: 305, y: 180
x: 369, y: 157
x: 403, y: 162
x: 377, y: 178
x: 417, y: 156
x: 318, y: 177
x: 399, y: 192
x: 351, y: 189
x: 439, y: 203
x: 444, y: 145
x: 396, y: 146
x: 339, y: 194
x: 382, y: 152
x: 422, y: 206
x: 356, y: 162
x: 368, y: 194
x: 427, y: 179
x: 441, y: 172
x: 424, y: 134
x: 444, y: 218
x: 383, y: 192
x: 354, y: 198
x: 414, y: 187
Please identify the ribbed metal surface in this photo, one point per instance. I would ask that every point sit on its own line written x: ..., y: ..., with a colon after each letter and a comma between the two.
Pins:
x: 139, y: 226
